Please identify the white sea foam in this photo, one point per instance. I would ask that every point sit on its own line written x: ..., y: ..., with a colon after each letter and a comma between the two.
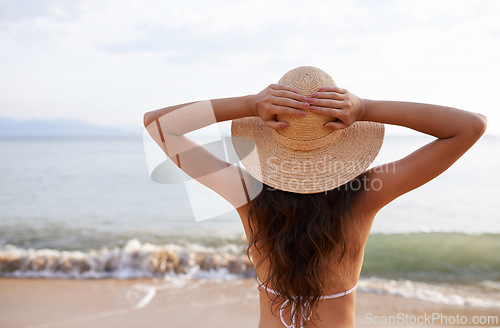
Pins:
x: 456, y: 294
x: 134, y: 260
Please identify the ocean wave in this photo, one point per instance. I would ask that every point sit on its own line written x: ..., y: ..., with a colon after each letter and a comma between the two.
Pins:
x: 398, y: 274
x: 134, y: 260
x: 426, y: 257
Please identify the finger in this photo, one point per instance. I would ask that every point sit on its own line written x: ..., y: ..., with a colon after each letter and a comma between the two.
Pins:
x: 283, y: 87
x: 327, y: 103
x: 328, y: 111
x: 275, y: 124
x: 328, y: 95
x: 287, y: 102
x: 337, y: 125
x: 284, y: 110
x: 288, y: 94
x: 332, y: 89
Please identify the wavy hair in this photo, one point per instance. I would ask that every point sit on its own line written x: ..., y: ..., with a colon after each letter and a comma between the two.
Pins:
x: 300, y: 235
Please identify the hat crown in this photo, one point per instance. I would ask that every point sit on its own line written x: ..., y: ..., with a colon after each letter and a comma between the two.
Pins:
x: 307, y: 79
x: 300, y: 158
x: 304, y: 133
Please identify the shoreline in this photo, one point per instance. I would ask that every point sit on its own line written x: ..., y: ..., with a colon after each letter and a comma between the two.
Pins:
x: 161, y: 302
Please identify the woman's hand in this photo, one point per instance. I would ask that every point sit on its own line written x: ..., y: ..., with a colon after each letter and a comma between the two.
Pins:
x: 277, y: 99
x: 345, y: 107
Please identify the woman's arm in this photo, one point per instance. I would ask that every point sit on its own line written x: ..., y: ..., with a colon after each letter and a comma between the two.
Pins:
x: 275, y: 99
x: 438, y: 121
x: 456, y: 131
x: 184, y: 118
x: 167, y: 127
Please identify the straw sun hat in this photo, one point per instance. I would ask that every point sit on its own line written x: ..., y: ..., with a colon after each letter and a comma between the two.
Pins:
x: 305, y: 157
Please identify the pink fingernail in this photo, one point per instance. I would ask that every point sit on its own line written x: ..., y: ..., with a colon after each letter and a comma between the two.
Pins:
x: 302, y: 98
x: 302, y: 113
x: 314, y: 94
x: 321, y: 88
x: 313, y: 108
x: 306, y: 104
x: 295, y: 90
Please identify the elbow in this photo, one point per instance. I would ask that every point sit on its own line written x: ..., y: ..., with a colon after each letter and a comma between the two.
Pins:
x: 478, y: 125
x: 147, y: 119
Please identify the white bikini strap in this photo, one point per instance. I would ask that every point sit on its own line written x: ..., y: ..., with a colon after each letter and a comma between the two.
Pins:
x: 268, y: 289
x: 322, y: 297
x: 283, y: 306
x: 293, y: 323
x: 340, y: 294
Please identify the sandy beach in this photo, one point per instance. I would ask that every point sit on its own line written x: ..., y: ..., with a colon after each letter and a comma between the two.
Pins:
x: 151, y: 303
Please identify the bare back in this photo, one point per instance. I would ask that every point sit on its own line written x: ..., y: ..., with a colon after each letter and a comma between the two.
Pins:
x: 338, y: 312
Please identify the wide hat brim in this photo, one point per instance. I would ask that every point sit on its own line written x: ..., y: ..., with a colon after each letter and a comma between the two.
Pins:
x: 335, y: 163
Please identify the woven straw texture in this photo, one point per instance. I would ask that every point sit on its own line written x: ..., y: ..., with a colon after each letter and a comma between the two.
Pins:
x: 306, y: 157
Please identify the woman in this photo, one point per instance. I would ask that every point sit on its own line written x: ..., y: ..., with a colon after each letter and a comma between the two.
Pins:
x: 306, y: 200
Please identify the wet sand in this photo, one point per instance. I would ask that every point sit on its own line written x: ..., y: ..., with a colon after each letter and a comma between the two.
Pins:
x: 152, y: 303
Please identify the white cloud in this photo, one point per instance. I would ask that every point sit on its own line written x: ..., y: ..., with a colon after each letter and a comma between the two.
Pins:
x: 112, y: 60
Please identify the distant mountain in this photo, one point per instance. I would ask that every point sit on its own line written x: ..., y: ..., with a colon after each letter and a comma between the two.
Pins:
x: 59, y: 127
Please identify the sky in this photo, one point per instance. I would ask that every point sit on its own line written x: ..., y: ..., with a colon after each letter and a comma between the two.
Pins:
x: 108, y: 62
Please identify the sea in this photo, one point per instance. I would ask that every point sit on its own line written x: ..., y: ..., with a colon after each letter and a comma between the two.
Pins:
x: 87, y: 208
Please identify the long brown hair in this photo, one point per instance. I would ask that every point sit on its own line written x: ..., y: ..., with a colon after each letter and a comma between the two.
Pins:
x: 300, y: 235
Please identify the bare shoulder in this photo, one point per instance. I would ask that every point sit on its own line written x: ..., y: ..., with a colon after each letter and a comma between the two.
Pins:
x: 364, y: 214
